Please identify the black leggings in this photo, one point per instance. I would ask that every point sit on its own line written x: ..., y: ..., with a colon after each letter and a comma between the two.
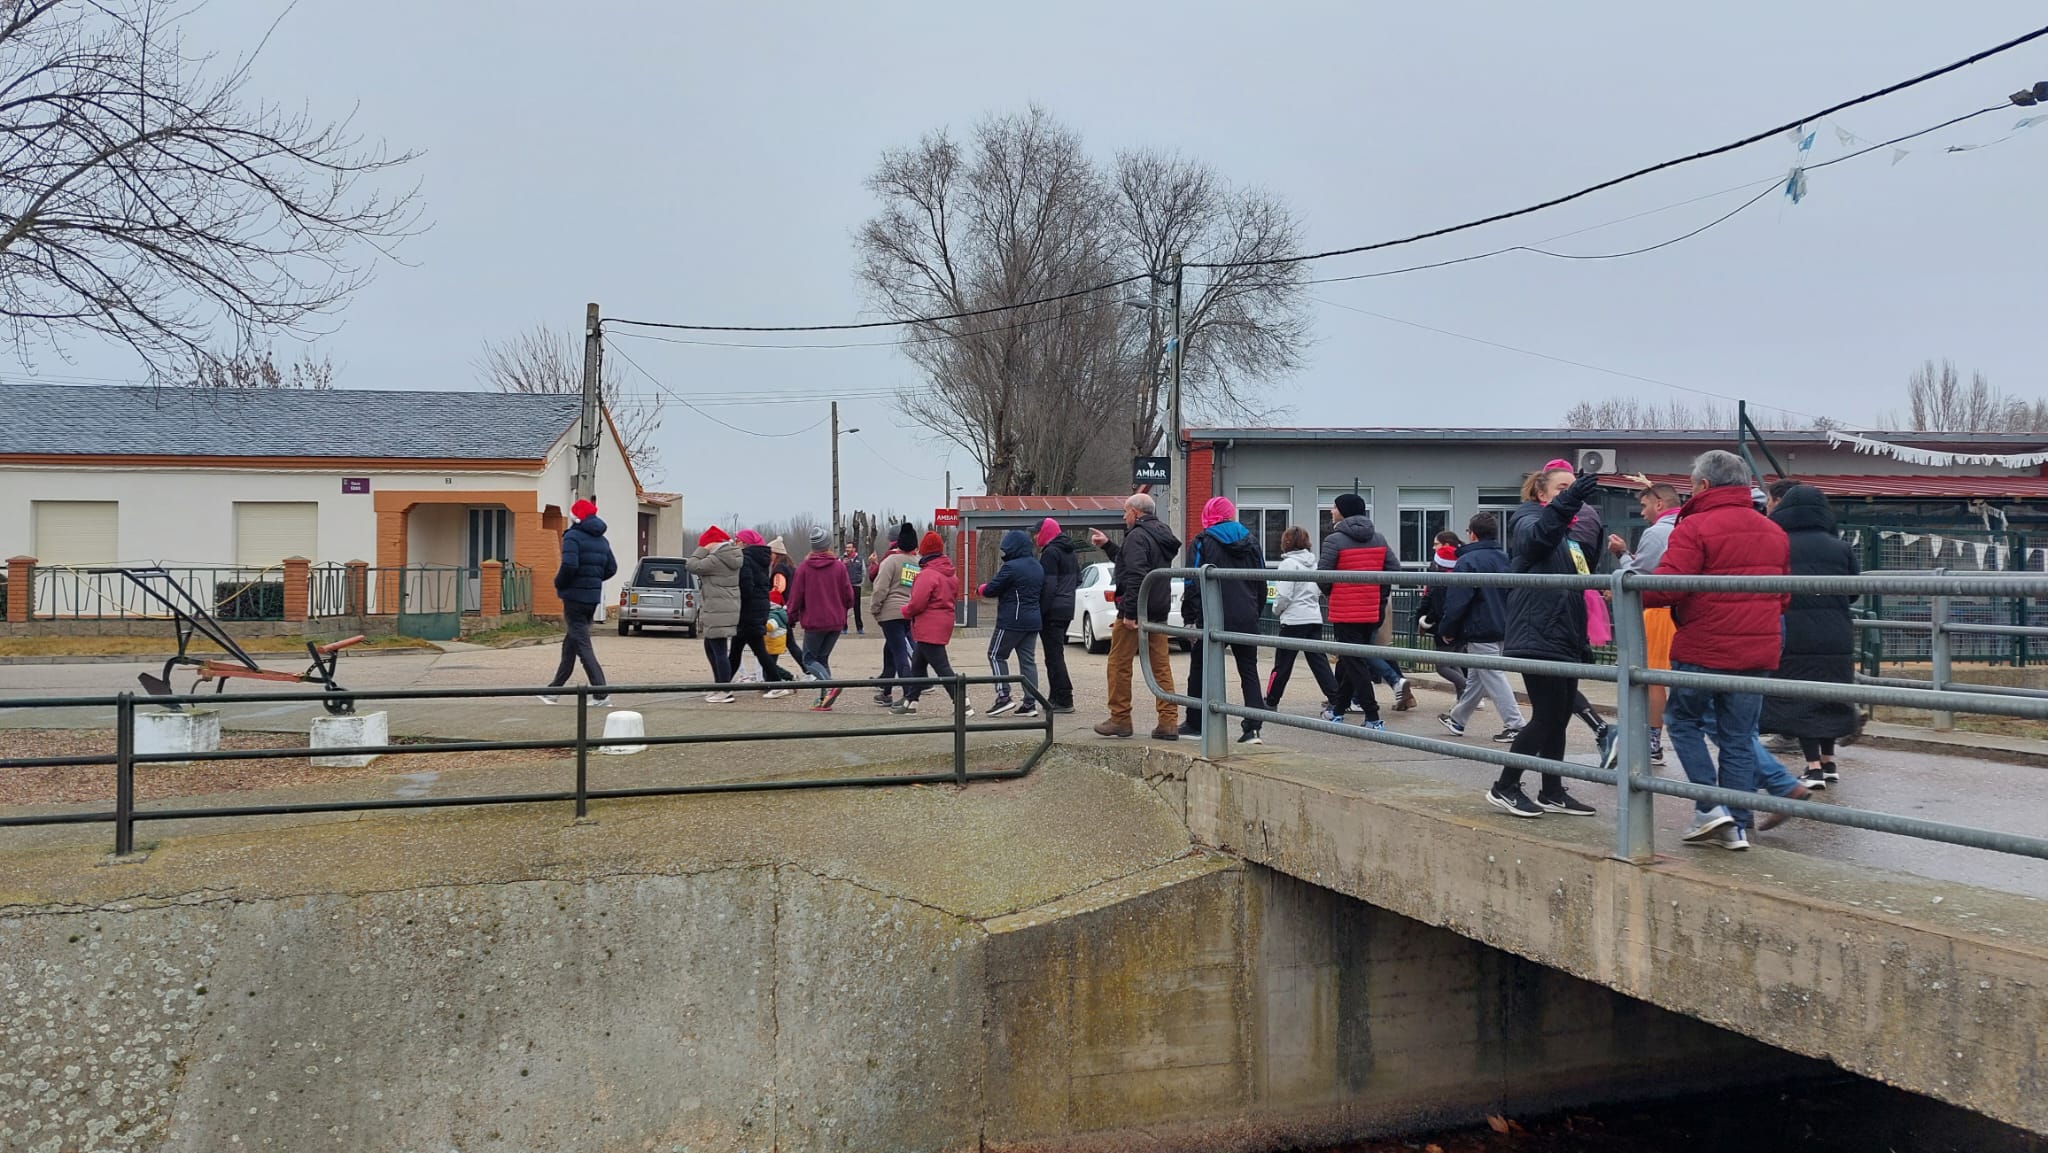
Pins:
x: 745, y: 641
x: 718, y: 651
x: 1550, y: 719
x: 1817, y: 749
x: 1583, y: 709
x: 1283, y: 666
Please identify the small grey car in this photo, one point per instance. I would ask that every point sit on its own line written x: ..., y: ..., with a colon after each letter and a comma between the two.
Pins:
x: 663, y: 594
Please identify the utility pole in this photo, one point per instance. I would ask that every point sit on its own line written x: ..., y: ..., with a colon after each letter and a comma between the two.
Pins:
x: 587, y: 428
x: 838, y: 538
x: 1176, y: 492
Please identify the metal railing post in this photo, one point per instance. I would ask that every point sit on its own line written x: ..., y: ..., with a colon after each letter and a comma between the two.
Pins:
x: 1215, y: 726
x: 960, y: 730
x: 124, y: 774
x: 1634, y: 813
x: 1938, y: 618
x: 582, y: 753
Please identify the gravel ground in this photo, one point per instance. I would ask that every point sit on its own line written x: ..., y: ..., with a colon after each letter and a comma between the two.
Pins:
x: 157, y: 782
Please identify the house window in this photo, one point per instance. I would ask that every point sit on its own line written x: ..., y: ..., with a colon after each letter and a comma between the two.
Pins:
x: 1425, y: 512
x: 267, y: 531
x: 1326, y: 497
x: 1267, y: 512
x: 1500, y: 502
x: 75, y: 532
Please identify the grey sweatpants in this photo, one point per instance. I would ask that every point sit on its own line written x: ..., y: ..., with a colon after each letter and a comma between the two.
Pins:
x: 1491, y: 684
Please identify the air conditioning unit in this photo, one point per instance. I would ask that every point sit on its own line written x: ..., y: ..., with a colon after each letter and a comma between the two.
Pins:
x: 1596, y: 460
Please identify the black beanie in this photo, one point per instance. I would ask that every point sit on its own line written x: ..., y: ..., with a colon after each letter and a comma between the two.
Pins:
x: 1350, y: 504
x: 906, y: 538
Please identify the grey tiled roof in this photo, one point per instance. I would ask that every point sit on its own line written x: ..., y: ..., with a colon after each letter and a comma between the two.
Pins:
x: 128, y: 420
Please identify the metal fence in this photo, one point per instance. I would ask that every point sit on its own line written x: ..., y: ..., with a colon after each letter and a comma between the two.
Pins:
x: 1894, y: 550
x: 124, y: 760
x: 515, y: 589
x: 1633, y: 779
x: 230, y: 593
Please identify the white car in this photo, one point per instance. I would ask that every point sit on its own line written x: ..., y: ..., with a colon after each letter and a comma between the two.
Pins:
x: 1095, y: 608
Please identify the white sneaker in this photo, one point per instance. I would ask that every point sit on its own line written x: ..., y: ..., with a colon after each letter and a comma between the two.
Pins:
x: 777, y: 694
x: 600, y: 702
x: 719, y: 699
x: 548, y: 700
x: 1706, y: 825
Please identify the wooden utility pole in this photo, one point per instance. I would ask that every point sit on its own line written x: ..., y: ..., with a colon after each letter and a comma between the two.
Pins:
x: 838, y: 537
x: 588, y: 429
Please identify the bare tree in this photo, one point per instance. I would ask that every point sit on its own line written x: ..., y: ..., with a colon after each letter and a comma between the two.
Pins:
x: 1046, y: 397
x: 252, y: 368
x: 147, y: 198
x: 1937, y: 400
x: 1634, y: 414
x: 542, y: 360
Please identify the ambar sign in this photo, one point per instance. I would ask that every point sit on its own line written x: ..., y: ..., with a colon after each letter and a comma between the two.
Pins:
x: 1151, y: 470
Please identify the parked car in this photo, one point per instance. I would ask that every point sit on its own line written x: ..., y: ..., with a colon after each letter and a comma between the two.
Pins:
x: 1095, y: 609
x: 662, y: 593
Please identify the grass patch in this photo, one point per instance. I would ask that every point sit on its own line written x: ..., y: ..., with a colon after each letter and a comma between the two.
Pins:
x: 74, y: 646
x: 504, y: 634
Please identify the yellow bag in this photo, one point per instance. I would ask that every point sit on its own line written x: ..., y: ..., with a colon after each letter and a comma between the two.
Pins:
x: 777, y: 640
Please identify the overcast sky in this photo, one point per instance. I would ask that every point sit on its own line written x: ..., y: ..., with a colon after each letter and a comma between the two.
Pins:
x: 704, y: 163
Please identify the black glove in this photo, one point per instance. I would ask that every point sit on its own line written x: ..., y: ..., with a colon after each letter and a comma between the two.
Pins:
x: 1584, y: 486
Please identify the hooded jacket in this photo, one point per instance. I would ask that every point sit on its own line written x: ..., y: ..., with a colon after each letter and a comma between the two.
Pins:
x: 755, y: 560
x: 1547, y: 624
x: 1720, y: 534
x: 1298, y: 602
x: 819, y: 597
x: 1354, y: 545
x: 717, y: 569
x: 892, y: 586
x: 1147, y: 545
x: 1226, y: 544
x: 934, y: 596
x: 1017, y: 585
x: 1820, y: 640
x: 1476, y: 615
x: 586, y: 563
x: 1062, y: 579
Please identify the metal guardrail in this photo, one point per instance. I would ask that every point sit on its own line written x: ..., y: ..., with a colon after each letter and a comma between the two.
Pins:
x: 1633, y: 779
x: 230, y: 593
x: 124, y: 760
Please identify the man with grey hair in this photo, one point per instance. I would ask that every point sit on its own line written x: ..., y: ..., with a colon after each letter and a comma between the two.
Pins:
x: 1147, y: 545
x: 1719, y: 533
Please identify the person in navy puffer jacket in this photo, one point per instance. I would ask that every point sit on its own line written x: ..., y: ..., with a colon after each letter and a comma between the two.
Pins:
x: 1016, y: 589
x: 587, y: 563
x: 1225, y: 543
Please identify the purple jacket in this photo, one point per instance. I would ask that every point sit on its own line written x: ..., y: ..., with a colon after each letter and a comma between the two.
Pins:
x: 819, y: 597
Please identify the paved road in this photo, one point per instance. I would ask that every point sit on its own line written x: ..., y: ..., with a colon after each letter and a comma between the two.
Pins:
x: 1947, y: 788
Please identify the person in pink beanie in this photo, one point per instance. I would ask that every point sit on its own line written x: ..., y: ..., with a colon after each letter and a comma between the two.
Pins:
x: 1056, y: 610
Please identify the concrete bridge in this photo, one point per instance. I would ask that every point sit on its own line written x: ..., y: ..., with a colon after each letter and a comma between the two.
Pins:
x: 1131, y: 947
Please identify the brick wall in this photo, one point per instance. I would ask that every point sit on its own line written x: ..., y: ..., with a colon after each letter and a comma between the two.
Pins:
x: 1201, y: 486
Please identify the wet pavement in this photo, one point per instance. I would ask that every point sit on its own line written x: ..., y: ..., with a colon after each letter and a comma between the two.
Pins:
x: 1933, y: 785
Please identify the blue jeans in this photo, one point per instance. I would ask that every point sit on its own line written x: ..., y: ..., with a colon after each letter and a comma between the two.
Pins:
x: 1771, y: 776
x: 1690, y: 714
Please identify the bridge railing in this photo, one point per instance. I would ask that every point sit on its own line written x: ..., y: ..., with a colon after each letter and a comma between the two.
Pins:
x: 124, y: 760
x: 1633, y: 778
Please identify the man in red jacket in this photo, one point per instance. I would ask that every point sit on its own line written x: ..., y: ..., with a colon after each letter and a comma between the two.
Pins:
x: 1720, y: 533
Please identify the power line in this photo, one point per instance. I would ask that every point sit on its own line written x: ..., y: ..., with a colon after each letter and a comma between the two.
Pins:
x: 862, y: 441
x: 706, y: 415
x: 1639, y: 173
x: 1432, y: 234
x: 874, y: 343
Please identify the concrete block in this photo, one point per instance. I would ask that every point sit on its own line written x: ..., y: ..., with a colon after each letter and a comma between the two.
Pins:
x: 192, y: 731
x: 349, y: 732
x: 623, y: 723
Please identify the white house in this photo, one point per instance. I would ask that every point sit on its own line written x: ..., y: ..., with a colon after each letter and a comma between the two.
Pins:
x: 248, y: 477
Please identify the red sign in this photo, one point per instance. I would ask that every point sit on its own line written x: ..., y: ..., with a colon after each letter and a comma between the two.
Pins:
x: 945, y: 518
x: 355, y: 484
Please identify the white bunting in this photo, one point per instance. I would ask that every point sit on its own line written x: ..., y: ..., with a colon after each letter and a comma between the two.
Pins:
x: 1934, y: 546
x: 1980, y: 553
x: 1930, y: 458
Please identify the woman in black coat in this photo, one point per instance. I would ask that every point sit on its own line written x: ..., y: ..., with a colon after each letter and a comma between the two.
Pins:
x: 1546, y: 625
x: 1820, y: 639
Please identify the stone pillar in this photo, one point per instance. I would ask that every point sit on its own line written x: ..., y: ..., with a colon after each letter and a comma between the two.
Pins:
x: 491, y: 591
x: 21, y: 584
x: 298, y: 592
x: 358, y: 588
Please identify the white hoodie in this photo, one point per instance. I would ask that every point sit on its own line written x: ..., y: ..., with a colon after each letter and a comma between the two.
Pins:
x: 1298, y: 602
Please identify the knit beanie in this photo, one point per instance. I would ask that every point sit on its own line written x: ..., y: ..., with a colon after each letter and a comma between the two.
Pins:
x: 906, y: 537
x: 583, y: 509
x: 932, y: 545
x: 749, y: 537
x: 1047, y: 529
x: 820, y: 539
x: 1350, y: 504
x: 1218, y: 510
x: 776, y: 545
x: 713, y: 535
x: 1559, y: 465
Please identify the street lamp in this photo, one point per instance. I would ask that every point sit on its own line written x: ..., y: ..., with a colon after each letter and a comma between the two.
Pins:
x: 838, y: 534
